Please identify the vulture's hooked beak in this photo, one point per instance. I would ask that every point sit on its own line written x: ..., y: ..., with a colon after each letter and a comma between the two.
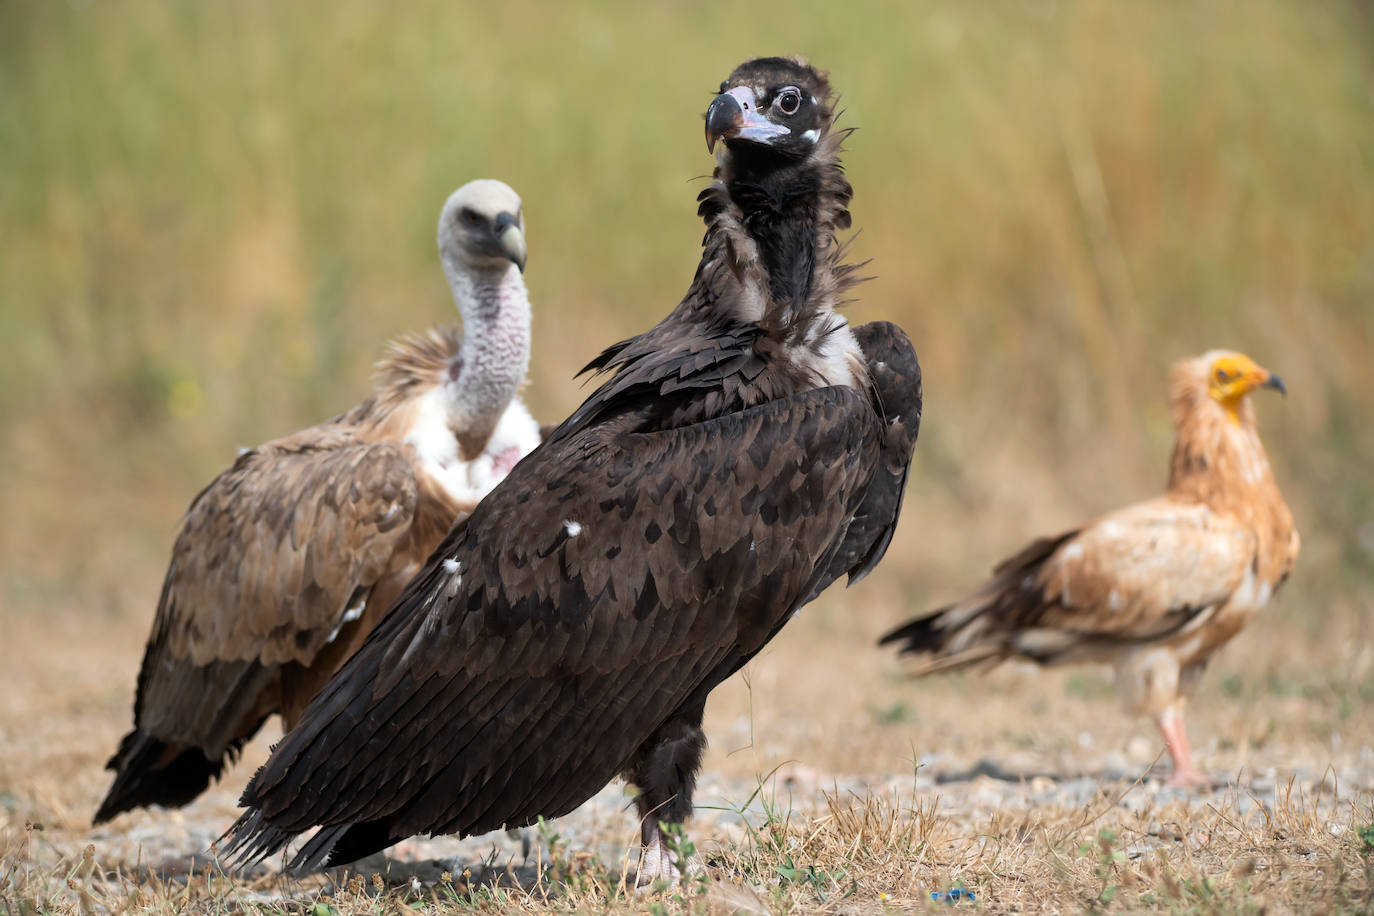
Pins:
x: 511, y: 239
x: 735, y: 115
x: 1273, y: 381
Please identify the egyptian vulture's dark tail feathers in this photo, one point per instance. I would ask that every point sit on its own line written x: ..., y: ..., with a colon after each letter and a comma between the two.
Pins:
x: 941, y: 645
x: 919, y: 635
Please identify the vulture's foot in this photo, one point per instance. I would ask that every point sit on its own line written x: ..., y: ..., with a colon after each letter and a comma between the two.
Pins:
x: 1193, y: 779
x: 658, y: 864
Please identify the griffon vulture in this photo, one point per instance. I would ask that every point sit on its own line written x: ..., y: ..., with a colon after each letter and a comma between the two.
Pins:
x: 742, y: 454
x: 286, y: 561
x: 1154, y: 588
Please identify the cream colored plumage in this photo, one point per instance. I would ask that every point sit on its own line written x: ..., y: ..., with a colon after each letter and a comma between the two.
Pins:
x: 1155, y: 588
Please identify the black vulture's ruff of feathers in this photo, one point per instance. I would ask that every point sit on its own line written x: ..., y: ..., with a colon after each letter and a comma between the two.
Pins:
x: 739, y: 457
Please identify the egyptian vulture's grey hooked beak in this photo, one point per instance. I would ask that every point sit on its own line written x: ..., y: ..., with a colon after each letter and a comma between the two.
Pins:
x: 512, y: 240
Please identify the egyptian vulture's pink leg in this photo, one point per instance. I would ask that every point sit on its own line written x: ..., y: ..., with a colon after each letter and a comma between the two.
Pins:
x: 1176, y: 739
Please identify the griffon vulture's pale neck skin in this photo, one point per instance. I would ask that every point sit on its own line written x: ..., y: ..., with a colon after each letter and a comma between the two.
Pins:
x: 495, y: 353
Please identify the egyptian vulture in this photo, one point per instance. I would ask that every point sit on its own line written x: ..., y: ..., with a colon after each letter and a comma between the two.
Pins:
x: 287, y: 560
x: 741, y: 455
x: 1154, y: 588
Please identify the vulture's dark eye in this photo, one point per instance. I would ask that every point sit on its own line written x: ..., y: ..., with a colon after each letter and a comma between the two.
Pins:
x: 470, y: 217
x: 788, y: 101
x: 1223, y: 375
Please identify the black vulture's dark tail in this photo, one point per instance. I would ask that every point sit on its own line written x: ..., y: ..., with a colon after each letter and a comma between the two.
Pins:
x: 353, y: 843
x: 253, y: 838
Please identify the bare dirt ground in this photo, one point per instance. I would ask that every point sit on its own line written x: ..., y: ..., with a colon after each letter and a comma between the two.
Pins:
x: 832, y: 785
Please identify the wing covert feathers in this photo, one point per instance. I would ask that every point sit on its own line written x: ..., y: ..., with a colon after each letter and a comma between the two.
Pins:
x: 273, y: 558
x: 572, y: 624
x: 895, y: 375
x: 270, y: 554
x: 1128, y: 578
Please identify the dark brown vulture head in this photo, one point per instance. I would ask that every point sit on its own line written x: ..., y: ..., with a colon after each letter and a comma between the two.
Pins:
x: 778, y: 196
x: 771, y: 107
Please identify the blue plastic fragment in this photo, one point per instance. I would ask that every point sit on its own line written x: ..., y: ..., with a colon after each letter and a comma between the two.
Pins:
x: 954, y: 895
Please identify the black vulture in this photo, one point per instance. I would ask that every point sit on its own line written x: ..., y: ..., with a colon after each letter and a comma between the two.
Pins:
x: 742, y: 454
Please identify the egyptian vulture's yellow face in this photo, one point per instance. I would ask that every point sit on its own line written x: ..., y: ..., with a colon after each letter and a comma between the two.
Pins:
x: 1234, y: 375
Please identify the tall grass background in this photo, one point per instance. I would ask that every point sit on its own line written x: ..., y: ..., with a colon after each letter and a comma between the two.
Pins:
x: 213, y: 216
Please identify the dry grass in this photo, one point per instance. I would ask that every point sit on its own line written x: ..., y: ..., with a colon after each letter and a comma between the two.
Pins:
x: 839, y: 822
x: 860, y: 854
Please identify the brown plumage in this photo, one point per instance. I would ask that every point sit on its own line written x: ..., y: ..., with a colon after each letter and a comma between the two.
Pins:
x: 286, y: 561
x: 741, y: 455
x: 1154, y: 588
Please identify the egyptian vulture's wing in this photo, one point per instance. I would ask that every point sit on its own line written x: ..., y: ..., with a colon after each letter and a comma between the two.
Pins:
x: 607, y: 582
x: 1134, y: 576
x: 1137, y: 574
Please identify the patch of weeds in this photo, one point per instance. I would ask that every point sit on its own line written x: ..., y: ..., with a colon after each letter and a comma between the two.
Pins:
x: 767, y: 843
x: 471, y: 895
x: 1088, y: 686
x: 692, y: 885
x: 1281, y: 687
x: 1232, y: 686
x: 1200, y: 894
x: 822, y: 883
x: 28, y: 888
x: 578, y: 878
x: 1345, y: 707
x: 558, y: 868
x: 1365, y: 691
x: 1108, y: 857
x: 895, y: 714
x: 1366, y: 837
x: 804, y: 862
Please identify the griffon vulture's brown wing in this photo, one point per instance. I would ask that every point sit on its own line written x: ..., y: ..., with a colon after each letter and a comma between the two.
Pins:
x: 273, y: 557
